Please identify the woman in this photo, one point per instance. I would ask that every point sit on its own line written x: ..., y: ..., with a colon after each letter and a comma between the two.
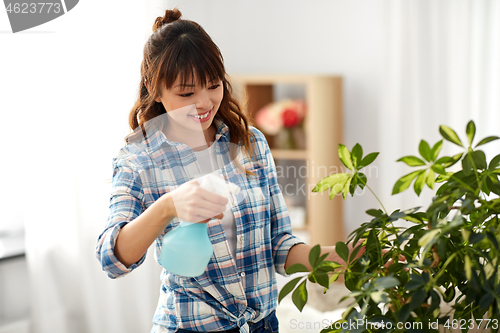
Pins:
x: 187, y: 124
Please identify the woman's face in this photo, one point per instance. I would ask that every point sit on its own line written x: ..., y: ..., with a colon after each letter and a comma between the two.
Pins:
x: 191, y: 108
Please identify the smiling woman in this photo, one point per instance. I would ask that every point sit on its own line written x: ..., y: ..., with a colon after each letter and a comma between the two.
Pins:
x: 186, y: 126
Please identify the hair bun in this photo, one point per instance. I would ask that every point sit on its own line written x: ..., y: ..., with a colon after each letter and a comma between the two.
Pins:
x: 171, y: 15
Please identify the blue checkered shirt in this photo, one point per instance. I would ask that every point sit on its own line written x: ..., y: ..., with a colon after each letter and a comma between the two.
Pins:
x: 231, y: 291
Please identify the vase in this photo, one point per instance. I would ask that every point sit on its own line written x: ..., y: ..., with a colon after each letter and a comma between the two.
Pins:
x: 286, y: 139
x: 290, y: 138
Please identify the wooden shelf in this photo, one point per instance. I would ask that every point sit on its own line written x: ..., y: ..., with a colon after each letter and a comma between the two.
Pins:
x: 323, y: 132
x: 285, y: 154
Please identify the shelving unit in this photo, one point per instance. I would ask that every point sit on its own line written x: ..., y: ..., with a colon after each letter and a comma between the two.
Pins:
x: 323, y: 133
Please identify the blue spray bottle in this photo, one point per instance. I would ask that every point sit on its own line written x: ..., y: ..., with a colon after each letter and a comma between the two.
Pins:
x: 187, y: 249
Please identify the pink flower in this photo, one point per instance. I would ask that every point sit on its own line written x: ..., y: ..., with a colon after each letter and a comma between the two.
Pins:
x: 268, y: 121
x: 286, y: 113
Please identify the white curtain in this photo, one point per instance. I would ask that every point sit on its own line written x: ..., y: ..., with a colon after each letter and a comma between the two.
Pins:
x: 442, y: 67
x: 66, y: 90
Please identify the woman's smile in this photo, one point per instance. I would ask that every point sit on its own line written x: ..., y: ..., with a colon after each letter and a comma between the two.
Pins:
x: 201, y: 117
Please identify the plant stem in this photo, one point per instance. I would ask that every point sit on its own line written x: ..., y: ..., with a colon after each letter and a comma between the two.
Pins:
x: 380, y: 202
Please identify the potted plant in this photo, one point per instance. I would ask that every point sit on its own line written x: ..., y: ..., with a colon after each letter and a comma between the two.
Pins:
x: 441, y: 269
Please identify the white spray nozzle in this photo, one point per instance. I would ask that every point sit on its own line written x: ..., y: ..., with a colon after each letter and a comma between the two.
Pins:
x: 218, y: 186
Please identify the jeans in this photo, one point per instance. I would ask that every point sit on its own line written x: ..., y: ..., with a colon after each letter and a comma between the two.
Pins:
x: 266, y: 325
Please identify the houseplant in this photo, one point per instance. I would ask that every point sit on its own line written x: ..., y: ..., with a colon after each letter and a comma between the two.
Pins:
x: 447, y: 255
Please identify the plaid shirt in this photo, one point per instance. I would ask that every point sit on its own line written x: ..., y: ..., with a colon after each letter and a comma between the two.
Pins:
x: 231, y: 292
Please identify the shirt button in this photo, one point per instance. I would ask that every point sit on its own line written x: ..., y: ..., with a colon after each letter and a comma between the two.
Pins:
x: 242, y: 274
x: 241, y: 239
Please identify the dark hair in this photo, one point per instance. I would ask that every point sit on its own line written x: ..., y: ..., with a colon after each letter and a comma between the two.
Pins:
x: 182, y: 49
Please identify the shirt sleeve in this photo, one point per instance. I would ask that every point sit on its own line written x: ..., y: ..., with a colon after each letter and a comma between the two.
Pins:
x: 281, y: 229
x: 125, y: 206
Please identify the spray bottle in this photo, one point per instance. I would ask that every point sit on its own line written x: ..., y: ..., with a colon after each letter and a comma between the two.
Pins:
x: 187, y: 249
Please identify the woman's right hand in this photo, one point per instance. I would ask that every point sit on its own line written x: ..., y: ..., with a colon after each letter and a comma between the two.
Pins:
x: 192, y: 203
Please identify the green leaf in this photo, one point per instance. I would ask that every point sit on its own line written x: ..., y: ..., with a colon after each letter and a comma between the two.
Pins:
x: 436, y: 149
x: 493, y: 184
x: 486, y: 140
x: 471, y: 131
x: 299, y: 296
x: 447, y: 161
x: 428, y: 237
x: 367, y: 160
x: 425, y: 150
x: 339, y: 187
x: 420, y: 182
x: 479, y: 159
x: 342, y: 250
x: 449, y: 294
x: 354, y: 252
x: 329, y: 266
x: 486, y: 300
x: 373, y: 247
x: 468, y: 267
x: 375, y: 212
x: 450, y: 135
x: 411, y: 161
x: 322, y: 258
x: 331, y: 181
x: 357, y: 154
x: 362, y: 180
x: 435, y: 301
x: 296, y: 268
x: 288, y: 288
x: 404, y: 182
x: 322, y: 279
x: 346, y: 187
x: 431, y: 178
x: 418, y: 297
x: 378, y: 296
x: 404, y: 313
x: 359, y: 179
x: 476, y: 238
x: 386, y: 282
x: 345, y: 157
x: 494, y: 163
x: 353, y: 184
x: 438, y: 168
x: 467, y: 166
x: 443, y: 178
x: 474, y: 160
x: 314, y: 255
x: 414, y: 284
x: 396, y: 267
x: 492, y: 239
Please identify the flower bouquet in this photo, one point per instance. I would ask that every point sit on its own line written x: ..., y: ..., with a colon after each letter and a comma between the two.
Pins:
x: 284, y: 120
